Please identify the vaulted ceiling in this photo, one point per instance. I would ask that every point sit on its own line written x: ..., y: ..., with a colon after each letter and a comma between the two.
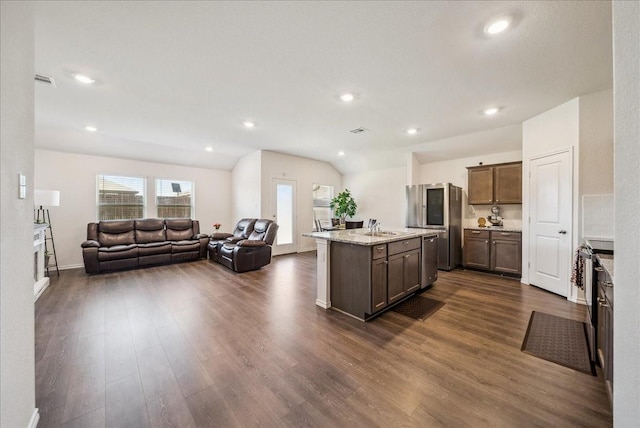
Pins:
x: 173, y: 78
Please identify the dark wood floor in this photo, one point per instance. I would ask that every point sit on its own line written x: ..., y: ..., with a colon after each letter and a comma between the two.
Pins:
x: 196, y: 345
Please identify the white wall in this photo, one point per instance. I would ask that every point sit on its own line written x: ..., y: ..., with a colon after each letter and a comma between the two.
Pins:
x: 596, y: 165
x: 305, y: 172
x: 549, y: 132
x: 455, y: 172
x: 17, y: 363
x: 626, y: 316
x: 246, y: 182
x: 380, y: 194
x: 74, y: 175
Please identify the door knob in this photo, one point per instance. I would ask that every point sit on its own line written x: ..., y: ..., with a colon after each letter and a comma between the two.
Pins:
x: 562, y: 232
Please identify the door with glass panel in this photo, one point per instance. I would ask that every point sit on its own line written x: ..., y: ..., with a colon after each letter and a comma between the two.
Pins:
x: 283, y: 205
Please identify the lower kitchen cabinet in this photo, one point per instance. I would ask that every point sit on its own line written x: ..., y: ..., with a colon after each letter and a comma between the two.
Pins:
x: 477, y: 249
x: 365, y: 280
x: 506, y: 252
x: 493, y: 250
x: 403, y: 274
x: 379, y: 298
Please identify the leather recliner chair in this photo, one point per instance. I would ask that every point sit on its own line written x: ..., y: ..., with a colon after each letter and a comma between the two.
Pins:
x: 251, y: 253
x: 242, y: 231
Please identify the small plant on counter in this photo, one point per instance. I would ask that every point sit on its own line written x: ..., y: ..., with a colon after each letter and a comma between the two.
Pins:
x: 216, y: 226
x: 343, y: 205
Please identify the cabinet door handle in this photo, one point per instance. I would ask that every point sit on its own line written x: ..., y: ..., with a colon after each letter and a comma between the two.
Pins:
x: 602, y: 302
x: 475, y: 232
x: 407, y: 256
x: 380, y: 248
x: 562, y: 232
x: 406, y: 242
x: 432, y: 240
x: 505, y: 233
x: 598, y: 269
x: 494, y: 242
x: 486, y: 242
x: 385, y: 262
x: 607, y: 283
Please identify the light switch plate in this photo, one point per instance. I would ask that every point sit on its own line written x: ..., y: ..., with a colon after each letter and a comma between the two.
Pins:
x: 22, y: 188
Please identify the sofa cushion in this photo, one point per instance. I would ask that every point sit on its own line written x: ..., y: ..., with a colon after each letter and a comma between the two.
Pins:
x: 153, y: 248
x: 179, y: 229
x: 117, y: 252
x: 150, y: 230
x: 111, y: 239
x: 118, y: 232
x: 185, y: 246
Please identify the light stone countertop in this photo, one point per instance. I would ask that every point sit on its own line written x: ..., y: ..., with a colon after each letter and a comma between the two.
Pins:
x: 358, y: 237
x: 496, y: 228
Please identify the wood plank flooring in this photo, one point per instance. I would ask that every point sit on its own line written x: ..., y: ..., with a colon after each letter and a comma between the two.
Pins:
x: 196, y: 345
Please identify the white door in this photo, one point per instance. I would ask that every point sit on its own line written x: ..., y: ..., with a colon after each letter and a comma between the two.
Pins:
x: 550, y: 208
x: 283, y: 205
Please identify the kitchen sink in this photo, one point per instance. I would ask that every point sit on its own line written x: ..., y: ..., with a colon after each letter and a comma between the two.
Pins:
x: 380, y: 233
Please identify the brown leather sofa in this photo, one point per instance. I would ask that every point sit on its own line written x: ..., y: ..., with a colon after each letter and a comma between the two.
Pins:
x: 126, y: 244
x: 250, y: 253
x: 242, y: 231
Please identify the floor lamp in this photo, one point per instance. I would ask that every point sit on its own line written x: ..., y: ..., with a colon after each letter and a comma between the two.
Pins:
x: 42, y: 199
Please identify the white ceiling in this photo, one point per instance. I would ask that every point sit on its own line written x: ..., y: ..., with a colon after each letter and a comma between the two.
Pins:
x: 175, y: 77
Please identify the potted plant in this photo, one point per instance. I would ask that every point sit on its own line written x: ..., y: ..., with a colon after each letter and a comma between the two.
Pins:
x: 343, y: 205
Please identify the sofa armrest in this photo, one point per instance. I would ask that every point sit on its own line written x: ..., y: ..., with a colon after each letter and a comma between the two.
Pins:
x: 90, y: 243
x: 251, y: 243
x: 220, y: 235
x: 200, y: 236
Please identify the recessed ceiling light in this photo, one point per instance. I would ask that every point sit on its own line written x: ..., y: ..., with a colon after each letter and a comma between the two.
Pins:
x: 91, y: 128
x: 83, y: 79
x: 347, y: 98
x: 497, y: 26
x: 491, y: 111
x: 412, y: 131
x: 248, y: 124
x: 340, y: 153
x: 209, y: 149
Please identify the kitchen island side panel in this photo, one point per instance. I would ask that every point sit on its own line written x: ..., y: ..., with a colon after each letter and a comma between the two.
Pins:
x: 351, y: 278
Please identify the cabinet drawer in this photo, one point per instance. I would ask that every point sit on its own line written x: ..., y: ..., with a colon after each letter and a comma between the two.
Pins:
x: 402, y: 246
x: 484, y: 234
x: 505, y: 236
x: 379, y: 251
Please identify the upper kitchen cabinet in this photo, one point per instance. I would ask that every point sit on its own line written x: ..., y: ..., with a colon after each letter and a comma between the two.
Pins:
x: 495, y: 184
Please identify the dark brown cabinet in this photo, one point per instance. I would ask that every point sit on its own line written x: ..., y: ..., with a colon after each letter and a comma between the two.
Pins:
x: 404, y: 274
x: 366, y: 280
x: 493, y: 250
x: 506, y: 252
x: 495, y: 184
x: 477, y: 249
x: 379, y: 285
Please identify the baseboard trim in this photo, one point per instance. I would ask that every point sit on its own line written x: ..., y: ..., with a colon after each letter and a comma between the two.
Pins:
x: 35, y: 417
x: 67, y: 267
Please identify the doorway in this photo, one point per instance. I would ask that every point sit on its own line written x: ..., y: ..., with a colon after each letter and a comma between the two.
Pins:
x: 283, y: 205
x: 551, y: 223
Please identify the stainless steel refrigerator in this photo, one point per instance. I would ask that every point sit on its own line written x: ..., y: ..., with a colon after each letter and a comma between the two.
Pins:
x: 438, y: 207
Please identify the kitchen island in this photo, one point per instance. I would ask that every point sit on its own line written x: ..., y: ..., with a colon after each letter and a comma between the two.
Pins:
x: 362, y: 273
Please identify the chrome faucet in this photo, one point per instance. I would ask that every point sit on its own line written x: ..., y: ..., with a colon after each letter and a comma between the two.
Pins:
x: 373, y: 225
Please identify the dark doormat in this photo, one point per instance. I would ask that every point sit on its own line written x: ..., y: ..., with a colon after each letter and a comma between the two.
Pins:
x: 418, y: 307
x: 559, y: 340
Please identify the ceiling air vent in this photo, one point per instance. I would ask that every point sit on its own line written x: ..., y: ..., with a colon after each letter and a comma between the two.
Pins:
x: 358, y: 130
x: 45, y: 80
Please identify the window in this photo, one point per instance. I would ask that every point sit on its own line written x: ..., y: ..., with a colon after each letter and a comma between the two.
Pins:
x: 120, y: 197
x: 174, y: 198
x: 322, y: 196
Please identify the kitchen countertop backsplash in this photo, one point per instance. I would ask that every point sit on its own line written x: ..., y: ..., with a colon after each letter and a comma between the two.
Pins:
x: 511, y: 216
